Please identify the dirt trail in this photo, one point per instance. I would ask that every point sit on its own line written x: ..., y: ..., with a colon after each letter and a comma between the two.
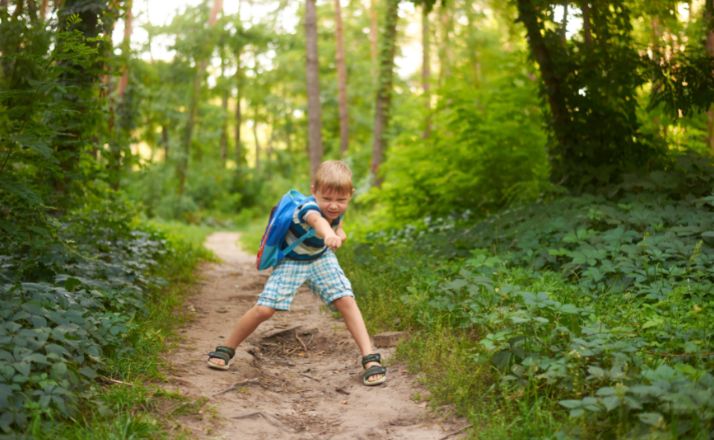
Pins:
x: 296, y: 377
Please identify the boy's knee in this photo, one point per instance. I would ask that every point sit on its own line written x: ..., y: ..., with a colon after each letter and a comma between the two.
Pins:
x: 263, y: 313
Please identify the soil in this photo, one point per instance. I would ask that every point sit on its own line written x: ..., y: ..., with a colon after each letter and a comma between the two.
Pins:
x: 296, y: 377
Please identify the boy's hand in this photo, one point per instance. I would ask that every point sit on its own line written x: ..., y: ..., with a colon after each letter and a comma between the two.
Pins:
x: 333, y: 241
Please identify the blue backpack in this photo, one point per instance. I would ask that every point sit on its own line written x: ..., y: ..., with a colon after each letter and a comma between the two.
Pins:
x: 281, y: 216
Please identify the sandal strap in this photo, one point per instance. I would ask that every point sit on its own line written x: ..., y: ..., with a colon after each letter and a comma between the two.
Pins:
x: 374, y: 370
x: 227, y: 350
x: 374, y: 357
x: 219, y: 355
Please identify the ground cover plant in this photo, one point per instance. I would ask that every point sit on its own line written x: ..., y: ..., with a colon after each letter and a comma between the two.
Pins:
x: 585, y: 316
x: 76, y: 313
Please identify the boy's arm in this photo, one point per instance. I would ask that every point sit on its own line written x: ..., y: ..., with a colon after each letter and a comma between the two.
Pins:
x: 323, y: 229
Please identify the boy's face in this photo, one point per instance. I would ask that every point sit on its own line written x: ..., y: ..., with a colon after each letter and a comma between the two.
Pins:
x: 332, y: 203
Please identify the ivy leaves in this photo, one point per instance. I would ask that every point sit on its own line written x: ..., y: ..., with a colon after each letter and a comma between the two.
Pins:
x: 56, y: 328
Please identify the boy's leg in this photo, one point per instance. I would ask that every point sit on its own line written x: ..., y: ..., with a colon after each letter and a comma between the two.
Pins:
x: 277, y: 294
x: 245, y: 326
x: 349, y: 309
x: 347, y: 306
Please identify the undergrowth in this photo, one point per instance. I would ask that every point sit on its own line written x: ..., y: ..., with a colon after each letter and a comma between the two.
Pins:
x: 583, y: 317
x: 85, y: 319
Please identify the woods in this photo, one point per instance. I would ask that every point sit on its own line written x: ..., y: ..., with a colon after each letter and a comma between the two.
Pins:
x: 535, y: 176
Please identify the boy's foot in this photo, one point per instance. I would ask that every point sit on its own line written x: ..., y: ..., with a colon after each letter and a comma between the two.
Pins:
x: 220, y: 358
x: 374, y: 373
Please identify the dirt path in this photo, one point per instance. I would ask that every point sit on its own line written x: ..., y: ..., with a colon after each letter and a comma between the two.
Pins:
x: 296, y: 377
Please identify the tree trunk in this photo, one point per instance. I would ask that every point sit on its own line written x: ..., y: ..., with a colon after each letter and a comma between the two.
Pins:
x: 165, y: 141
x: 79, y: 101
x: 118, y: 126
x: 384, y: 87
x: 564, y: 23
x: 182, y: 164
x: 445, y: 43
x: 255, y: 138
x: 373, y: 32
x: 473, y: 56
x: 587, y: 32
x: 556, y: 100
x: 426, y: 69
x: 709, y: 23
x: 43, y: 10
x: 313, y: 88
x: 224, y: 106
x: 341, y: 81
x: 238, y: 115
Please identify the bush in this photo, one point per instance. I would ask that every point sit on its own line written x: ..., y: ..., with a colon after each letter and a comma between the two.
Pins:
x: 595, y: 311
x: 64, y: 312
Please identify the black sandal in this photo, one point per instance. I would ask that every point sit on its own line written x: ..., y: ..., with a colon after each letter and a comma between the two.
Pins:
x: 374, y: 370
x: 224, y: 353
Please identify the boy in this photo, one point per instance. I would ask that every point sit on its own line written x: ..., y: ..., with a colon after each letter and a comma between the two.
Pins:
x: 314, y: 262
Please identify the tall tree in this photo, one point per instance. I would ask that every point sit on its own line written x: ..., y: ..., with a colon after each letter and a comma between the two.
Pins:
x: 341, y: 80
x: 313, y: 88
x: 224, y: 91
x: 445, y: 42
x: 201, y: 64
x: 384, y: 87
x: 709, y: 26
x: 238, y: 122
x: 120, y: 117
x: 373, y: 31
x: 426, y: 68
x: 79, y: 53
x: 590, y: 86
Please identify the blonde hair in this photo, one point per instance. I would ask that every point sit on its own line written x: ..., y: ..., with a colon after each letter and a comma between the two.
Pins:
x: 333, y: 175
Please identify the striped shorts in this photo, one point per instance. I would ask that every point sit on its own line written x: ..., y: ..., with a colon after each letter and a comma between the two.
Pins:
x: 324, y: 277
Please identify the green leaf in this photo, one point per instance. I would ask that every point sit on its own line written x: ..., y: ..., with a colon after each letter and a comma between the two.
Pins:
x: 651, y: 418
x: 571, y: 404
x: 23, y: 368
x: 59, y: 370
x: 88, y: 372
x: 596, y: 372
x: 654, y: 322
x: 606, y: 391
x: 577, y: 412
x: 610, y: 402
x: 501, y: 359
x: 35, y: 357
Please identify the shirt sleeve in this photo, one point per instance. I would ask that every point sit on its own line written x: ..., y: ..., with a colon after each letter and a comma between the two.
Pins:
x: 304, y: 209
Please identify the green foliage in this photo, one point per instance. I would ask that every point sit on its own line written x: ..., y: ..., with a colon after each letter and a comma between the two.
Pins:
x: 67, y: 310
x: 683, y: 85
x: 487, y: 150
x: 589, y: 84
x: 594, y: 312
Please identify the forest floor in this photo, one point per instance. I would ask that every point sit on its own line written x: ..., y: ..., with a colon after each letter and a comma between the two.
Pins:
x: 296, y: 377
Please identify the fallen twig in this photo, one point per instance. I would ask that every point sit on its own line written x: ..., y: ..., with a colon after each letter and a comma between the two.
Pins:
x: 274, y: 420
x: 239, y: 384
x: 310, y: 377
x: 458, y: 431
x: 342, y: 391
x: 114, y: 381
x: 304, y: 347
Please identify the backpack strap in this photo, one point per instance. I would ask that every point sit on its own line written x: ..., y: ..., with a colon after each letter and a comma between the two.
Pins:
x: 310, y: 233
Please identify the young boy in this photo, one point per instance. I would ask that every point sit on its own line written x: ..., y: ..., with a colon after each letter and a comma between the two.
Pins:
x: 314, y: 262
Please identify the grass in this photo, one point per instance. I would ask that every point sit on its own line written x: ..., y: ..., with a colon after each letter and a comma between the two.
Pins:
x: 250, y: 234
x: 128, y: 404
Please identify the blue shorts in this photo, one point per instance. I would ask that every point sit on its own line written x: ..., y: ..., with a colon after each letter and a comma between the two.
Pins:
x: 324, y: 277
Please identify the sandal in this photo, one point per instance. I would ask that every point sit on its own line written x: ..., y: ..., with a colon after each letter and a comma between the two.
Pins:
x: 374, y: 370
x: 223, y: 353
